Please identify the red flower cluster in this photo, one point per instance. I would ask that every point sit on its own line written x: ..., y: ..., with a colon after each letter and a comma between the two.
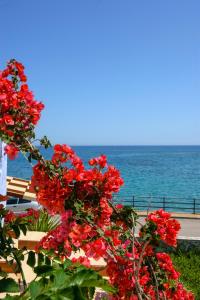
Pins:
x: 15, y: 68
x: 121, y: 275
x: 127, y: 275
x: 19, y: 111
x: 166, y: 228
x: 165, y: 263
x: 106, y: 212
x: 9, y: 217
x: 57, y: 239
x: 50, y: 191
x: 179, y: 293
x: 62, y: 153
x: 79, y: 234
x: 31, y: 215
x: 99, y: 161
x: 82, y: 260
x: 12, y: 151
x: 55, y: 192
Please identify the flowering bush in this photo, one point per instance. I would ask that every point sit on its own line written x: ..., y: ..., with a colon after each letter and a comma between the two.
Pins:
x: 19, y: 111
x: 78, y: 280
x: 83, y: 198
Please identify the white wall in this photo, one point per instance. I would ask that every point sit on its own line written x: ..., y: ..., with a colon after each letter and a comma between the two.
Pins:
x: 3, y: 171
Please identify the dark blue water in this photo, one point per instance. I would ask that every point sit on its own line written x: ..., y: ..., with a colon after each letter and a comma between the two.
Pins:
x: 146, y: 170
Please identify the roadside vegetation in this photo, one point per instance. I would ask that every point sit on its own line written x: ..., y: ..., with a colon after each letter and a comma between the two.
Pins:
x: 188, y: 264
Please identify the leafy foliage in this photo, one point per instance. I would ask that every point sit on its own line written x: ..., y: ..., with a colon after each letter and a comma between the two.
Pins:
x: 45, y: 222
x: 188, y: 263
x: 8, y: 285
x: 8, y: 251
x: 63, y: 281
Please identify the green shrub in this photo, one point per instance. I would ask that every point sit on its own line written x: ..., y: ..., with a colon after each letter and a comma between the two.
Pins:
x: 188, y: 264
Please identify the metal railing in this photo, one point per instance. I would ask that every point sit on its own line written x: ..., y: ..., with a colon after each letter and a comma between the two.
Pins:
x: 173, y: 204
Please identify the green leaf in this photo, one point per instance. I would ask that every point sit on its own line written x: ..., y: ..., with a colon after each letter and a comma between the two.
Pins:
x: 45, y: 142
x: 30, y: 158
x: 8, y: 285
x: 67, y: 263
x: 43, y: 270
x: 36, y: 289
x: 23, y: 228
x: 44, y: 297
x: 71, y: 293
x: 47, y: 261
x: 88, y: 292
x: 60, y: 278
x: 31, y: 259
x: 16, y: 230
x: 91, y: 292
x: 90, y: 278
x: 2, y: 273
x: 78, y: 293
x: 40, y: 259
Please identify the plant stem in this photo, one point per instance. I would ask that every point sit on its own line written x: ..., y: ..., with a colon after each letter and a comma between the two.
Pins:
x: 21, y: 270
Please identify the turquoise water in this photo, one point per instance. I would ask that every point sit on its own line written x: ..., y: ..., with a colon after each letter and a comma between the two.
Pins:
x: 147, y: 170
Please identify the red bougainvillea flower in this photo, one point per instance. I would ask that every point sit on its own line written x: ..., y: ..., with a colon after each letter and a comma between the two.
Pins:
x: 178, y: 293
x: 120, y: 272
x: 166, y: 227
x: 57, y: 192
x: 8, y: 120
x: 9, y: 217
x: 119, y: 206
x: 83, y: 260
x: 165, y: 263
x: 62, y: 153
x: 96, y: 249
x: 101, y: 161
x: 57, y: 240
x: 15, y: 68
x: 11, y: 151
x: 31, y: 213
x: 19, y: 111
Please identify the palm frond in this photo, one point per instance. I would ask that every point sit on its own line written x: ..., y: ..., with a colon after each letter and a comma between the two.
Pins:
x: 45, y: 222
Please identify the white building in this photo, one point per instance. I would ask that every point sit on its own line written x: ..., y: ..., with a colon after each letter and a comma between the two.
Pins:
x: 3, y: 171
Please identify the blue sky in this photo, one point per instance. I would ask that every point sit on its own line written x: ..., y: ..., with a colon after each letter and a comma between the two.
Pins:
x: 110, y: 72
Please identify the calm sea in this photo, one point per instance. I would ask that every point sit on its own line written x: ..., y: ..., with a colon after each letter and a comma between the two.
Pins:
x: 146, y: 170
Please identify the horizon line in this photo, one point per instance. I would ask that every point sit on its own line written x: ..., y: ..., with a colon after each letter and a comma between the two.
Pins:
x: 131, y: 145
